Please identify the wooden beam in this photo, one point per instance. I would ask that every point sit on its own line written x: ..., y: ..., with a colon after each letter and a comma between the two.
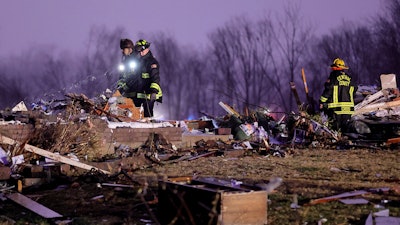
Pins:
x: 42, y: 152
x: 229, y: 109
x: 32, y: 205
x: 296, y: 95
x: 393, y: 141
x: 371, y: 98
x: 376, y: 107
x: 339, y: 196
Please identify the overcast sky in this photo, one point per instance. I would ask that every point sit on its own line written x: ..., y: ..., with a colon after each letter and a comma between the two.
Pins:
x: 66, y: 23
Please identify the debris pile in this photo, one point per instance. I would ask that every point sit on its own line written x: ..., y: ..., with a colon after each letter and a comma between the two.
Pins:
x: 63, y: 138
x: 376, y: 117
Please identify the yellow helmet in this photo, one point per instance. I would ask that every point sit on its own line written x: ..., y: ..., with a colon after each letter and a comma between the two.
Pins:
x: 339, y: 63
x: 141, y: 45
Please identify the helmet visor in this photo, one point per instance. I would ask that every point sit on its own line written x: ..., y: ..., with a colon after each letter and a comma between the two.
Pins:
x: 139, y: 48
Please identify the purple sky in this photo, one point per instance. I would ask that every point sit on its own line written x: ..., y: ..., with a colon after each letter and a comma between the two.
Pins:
x: 66, y: 24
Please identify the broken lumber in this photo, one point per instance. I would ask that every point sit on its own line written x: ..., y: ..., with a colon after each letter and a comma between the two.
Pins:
x: 336, y: 197
x: 82, y: 98
x: 376, y: 107
x: 117, y: 185
x: 42, y: 152
x: 32, y: 205
x: 371, y: 98
x: 296, y: 95
x: 325, y: 129
x: 202, y: 155
x: 229, y: 109
x: 393, y: 141
x: 310, y: 107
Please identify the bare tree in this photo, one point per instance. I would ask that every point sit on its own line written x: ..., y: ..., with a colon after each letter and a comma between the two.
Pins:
x: 360, y: 60
x: 30, y: 82
x: 13, y: 90
x: 48, y: 74
x: 243, y: 57
x: 387, y: 30
x: 198, y: 97
x: 292, y: 36
x: 173, y: 77
x: 356, y: 44
x: 224, y: 57
x: 97, y: 69
x: 55, y: 74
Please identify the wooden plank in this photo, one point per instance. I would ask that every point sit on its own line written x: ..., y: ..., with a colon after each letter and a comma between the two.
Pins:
x: 244, y: 208
x: 370, y: 98
x: 50, y: 155
x: 296, y: 95
x: 117, y: 185
x: 32, y: 205
x: 336, y: 197
x: 393, y: 141
x: 202, y: 155
x: 229, y: 109
x: 376, y: 107
x: 354, y: 201
x: 310, y: 100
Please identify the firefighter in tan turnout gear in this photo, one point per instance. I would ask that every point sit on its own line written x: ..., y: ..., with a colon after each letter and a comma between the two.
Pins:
x: 337, y: 99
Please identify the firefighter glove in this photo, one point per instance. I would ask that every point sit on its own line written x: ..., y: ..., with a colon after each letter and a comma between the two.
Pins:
x: 121, y: 86
x: 153, y: 97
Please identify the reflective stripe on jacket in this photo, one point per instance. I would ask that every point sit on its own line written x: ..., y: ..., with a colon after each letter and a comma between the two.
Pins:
x: 339, y: 93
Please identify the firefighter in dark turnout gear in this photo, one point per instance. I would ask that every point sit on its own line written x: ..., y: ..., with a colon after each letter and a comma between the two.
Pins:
x: 150, y: 73
x: 142, y: 83
x: 337, y: 99
x: 127, y: 65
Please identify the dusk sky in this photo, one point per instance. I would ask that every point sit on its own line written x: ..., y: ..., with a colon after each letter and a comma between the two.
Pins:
x: 66, y: 24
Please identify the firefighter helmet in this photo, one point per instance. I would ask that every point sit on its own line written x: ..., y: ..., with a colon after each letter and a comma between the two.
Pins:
x: 141, y: 45
x: 339, y: 63
x: 125, y: 43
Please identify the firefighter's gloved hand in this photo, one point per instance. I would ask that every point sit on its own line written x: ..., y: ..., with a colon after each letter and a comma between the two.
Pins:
x: 324, y: 107
x: 121, y: 86
x: 153, y: 97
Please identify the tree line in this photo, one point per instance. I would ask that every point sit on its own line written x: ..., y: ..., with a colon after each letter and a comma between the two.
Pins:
x: 245, y: 63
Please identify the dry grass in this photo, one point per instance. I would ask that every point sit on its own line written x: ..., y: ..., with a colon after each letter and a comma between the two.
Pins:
x: 310, y: 174
x: 307, y: 175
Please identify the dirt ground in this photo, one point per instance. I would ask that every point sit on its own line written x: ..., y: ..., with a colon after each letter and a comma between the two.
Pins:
x: 307, y: 174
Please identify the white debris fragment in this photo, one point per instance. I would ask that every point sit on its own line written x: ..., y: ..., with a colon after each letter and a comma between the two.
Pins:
x: 114, y: 125
x: 20, y: 107
x: 272, y: 184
